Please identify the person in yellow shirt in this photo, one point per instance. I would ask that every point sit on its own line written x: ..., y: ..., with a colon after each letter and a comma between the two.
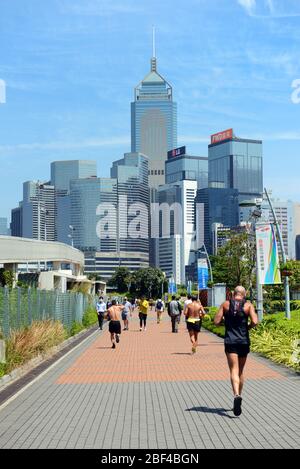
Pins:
x: 144, y: 308
x: 194, y: 314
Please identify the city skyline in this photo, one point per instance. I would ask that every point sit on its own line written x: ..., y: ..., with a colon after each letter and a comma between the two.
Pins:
x: 70, y: 80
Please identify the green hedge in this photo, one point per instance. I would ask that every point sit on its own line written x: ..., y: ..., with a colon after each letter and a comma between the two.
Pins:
x: 274, y: 338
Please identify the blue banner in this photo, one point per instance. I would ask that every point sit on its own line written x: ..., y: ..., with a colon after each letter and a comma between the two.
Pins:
x: 172, y: 286
x: 203, y: 275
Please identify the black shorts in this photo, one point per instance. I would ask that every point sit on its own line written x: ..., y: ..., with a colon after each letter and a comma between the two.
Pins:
x: 114, y: 327
x: 194, y: 326
x: 242, y: 350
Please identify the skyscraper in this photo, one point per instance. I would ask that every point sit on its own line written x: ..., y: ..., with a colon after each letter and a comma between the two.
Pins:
x: 38, y: 211
x: 3, y: 226
x: 220, y: 206
x: 181, y: 166
x: 177, y: 235
x: 154, y: 122
x: 62, y: 172
x: 236, y: 163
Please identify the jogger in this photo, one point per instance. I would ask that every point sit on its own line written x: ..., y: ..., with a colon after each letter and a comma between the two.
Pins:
x: 194, y: 314
x: 236, y: 314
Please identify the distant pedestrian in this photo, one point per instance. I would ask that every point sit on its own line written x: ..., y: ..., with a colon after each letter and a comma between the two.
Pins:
x: 187, y: 302
x: 113, y: 315
x: 126, y: 313
x: 194, y: 314
x: 236, y: 314
x: 144, y: 308
x: 101, y: 308
x: 174, y: 311
x: 159, y: 307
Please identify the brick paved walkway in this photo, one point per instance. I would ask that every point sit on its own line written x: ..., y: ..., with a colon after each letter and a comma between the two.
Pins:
x: 152, y: 393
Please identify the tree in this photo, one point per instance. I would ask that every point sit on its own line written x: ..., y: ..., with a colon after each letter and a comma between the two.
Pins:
x: 121, y: 279
x: 235, y: 262
x: 148, y: 282
x: 6, y: 278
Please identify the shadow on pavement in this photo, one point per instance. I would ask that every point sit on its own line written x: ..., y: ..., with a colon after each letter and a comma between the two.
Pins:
x: 209, y: 410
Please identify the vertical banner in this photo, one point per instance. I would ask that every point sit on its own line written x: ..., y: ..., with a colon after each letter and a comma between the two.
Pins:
x: 267, y: 255
x: 189, y: 287
x: 202, y: 274
x: 172, y: 286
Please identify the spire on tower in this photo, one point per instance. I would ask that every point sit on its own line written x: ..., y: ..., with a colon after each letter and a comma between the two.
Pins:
x: 153, y: 59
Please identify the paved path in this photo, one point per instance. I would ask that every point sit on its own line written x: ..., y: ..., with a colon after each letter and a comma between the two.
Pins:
x: 152, y: 393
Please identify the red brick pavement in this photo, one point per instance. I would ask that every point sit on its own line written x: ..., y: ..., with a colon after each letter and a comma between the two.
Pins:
x: 156, y: 355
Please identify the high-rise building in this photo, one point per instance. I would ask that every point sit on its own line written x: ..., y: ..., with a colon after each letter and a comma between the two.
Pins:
x: 221, y: 234
x: 176, y: 228
x: 220, y: 206
x: 236, y: 163
x: 154, y: 122
x: 38, y: 211
x: 16, y: 221
x: 298, y: 247
x: 110, y: 216
x: 183, y: 167
x: 3, y: 226
x: 85, y: 197
x: 62, y: 172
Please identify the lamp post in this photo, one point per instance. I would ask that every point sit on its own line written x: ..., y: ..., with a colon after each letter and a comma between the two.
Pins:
x: 255, y: 216
x: 71, y: 227
x: 284, y: 259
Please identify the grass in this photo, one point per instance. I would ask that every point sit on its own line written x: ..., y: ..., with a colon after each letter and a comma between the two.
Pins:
x: 29, y: 342
x: 24, y: 344
x: 275, y: 338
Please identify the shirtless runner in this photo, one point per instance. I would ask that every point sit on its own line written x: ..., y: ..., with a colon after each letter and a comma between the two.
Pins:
x: 114, y: 316
x: 194, y: 314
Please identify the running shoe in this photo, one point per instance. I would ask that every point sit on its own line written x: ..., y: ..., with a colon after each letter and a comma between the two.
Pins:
x: 237, y: 406
x: 117, y: 338
x: 194, y: 349
x: 113, y: 345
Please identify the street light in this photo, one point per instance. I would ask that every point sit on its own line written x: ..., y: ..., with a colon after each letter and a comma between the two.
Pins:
x: 256, y: 215
x: 284, y: 259
x: 71, y: 227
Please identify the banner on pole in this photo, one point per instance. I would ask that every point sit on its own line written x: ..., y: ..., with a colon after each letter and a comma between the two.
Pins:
x: 172, y: 286
x: 267, y: 255
x: 202, y: 274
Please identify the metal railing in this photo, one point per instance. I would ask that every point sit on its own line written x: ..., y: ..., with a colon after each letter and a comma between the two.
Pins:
x: 19, y: 307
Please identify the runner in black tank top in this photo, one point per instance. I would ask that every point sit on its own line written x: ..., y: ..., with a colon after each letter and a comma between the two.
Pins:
x: 236, y: 314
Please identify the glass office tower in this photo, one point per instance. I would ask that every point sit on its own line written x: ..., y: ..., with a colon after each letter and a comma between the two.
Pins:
x: 154, y: 122
x: 220, y: 206
x: 62, y: 172
x: 236, y: 163
x: 187, y: 168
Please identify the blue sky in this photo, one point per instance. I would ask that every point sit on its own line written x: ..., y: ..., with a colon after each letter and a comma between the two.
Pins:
x: 70, y: 67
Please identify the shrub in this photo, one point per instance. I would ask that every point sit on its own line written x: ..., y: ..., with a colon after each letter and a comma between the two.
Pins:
x: 76, y: 328
x: 26, y: 343
x: 90, y: 317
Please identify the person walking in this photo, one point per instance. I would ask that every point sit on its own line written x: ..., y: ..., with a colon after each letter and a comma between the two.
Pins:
x: 144, y: 308
x: 126, y: 313
x: 187, y: 302
x: 239, y: 317
x: 101, y: 308
x: 194, y: 313
x: 113, y: 315
x: 159, y: 308
x: 174, y: 311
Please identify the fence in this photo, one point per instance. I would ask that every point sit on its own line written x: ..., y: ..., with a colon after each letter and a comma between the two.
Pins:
x: 19, y: 307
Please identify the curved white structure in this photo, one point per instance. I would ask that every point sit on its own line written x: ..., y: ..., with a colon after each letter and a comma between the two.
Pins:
x: 21, y: 250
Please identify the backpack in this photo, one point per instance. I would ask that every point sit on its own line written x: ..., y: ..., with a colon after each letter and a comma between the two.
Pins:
x: 159, y: 305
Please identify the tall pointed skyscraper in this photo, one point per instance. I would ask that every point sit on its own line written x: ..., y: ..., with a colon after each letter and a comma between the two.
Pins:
x: 154, y: 121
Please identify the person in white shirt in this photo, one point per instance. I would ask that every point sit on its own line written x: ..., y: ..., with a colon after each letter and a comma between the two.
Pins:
x: 159, y: 308
x: 187, y: 302
x: 126, y: 313
x: 101, y: 308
